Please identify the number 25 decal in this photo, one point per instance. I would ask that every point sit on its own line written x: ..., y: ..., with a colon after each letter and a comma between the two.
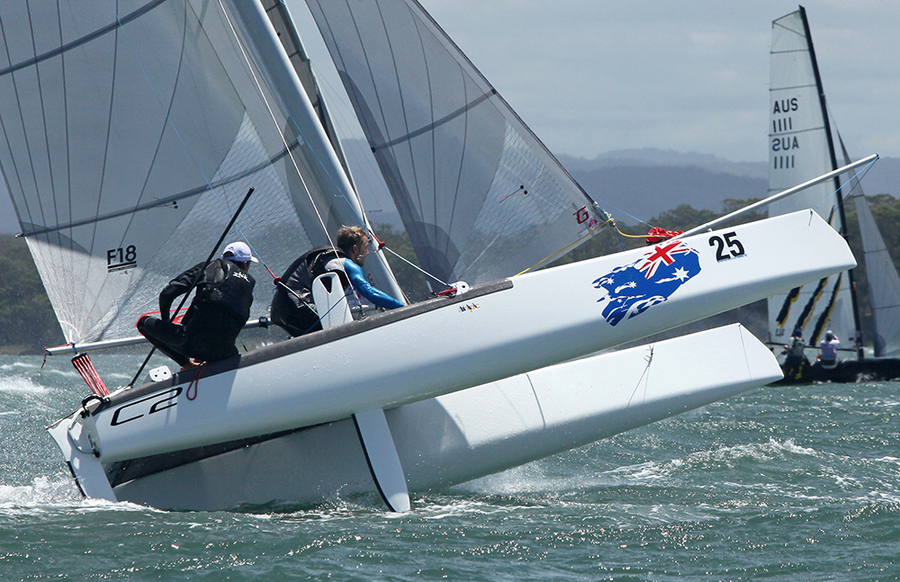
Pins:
x: 731, y: 241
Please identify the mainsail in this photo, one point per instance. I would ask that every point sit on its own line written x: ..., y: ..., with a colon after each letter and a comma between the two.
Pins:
x: 883, y: 281
x: 480, y: 196
x: 133, y: 129
x: 801, y: 148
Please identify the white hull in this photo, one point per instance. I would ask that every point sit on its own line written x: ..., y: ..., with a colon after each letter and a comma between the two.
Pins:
x: 539, y: 319
x: 391, y: 360
x: 468, y: 434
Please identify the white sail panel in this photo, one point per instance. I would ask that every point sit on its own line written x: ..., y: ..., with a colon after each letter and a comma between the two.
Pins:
x: 800, y: 149
x: 479, y: 195
x: 133, y: 130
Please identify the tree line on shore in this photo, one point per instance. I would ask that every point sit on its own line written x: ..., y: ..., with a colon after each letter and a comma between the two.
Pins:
x: 27, y: 322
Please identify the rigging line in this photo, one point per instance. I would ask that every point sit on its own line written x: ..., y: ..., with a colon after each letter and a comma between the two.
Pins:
x: 269, y: 108
x: 645, y: 373
x: 323, y: 110
x: 567, y: 247
x: 864, y: 170
x: 415, y: 266
x: 265, y: 99
x: 608, y: 205
x: 201, y: 273
x: 268, y: 105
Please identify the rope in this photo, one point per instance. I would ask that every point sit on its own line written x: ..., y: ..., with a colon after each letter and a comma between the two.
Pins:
x: 414, y: 266
x: 82, y: 363
x: 195, y: 383
x: 645, y: 376
x: 616, y: 226
x: 567, y: 247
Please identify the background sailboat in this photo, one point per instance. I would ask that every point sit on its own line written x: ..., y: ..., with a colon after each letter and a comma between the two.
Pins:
x: 802, y: 144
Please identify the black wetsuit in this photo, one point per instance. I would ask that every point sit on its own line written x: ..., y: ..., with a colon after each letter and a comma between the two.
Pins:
x: 218, y: 312
x: 294, y: 310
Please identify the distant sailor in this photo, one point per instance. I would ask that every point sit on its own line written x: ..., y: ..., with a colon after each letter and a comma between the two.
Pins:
x: 795, y: 362
x: 796, y: 350
x: 292, y: 303
x: 829, y: 347
x: 218, y: 312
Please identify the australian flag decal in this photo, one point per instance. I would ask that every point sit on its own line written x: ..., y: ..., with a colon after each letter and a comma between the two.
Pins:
x: 630, y: 290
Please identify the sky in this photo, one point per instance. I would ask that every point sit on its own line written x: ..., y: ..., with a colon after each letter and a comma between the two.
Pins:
x: 592, y: 76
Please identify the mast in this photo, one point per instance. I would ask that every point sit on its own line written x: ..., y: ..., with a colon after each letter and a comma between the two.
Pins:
x: 837, y: 181
x: 298, y: 104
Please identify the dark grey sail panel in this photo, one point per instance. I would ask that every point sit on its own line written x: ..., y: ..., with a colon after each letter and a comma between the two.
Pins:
x: 479, y: 195
x: 883, y: 281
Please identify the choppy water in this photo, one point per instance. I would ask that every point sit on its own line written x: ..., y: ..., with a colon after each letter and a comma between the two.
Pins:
x: 787, y: 483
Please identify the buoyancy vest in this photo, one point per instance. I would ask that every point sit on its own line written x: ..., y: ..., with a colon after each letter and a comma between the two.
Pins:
x: 226, y: 288
x: 300, y: 275
x: 319, y: 264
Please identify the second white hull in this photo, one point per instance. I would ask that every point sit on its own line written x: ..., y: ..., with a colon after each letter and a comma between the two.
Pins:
x: 468, y: 434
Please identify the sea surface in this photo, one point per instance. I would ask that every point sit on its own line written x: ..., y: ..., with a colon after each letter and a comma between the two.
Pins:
x: 781, y: 483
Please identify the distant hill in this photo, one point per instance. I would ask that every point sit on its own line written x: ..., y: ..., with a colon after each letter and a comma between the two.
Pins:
x: 644, y: 191
x: 667, y: 158
x: 643, y: 183
x: 638, y: 183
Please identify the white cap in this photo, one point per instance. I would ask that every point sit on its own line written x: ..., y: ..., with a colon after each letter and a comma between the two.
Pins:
x: 240, y: 252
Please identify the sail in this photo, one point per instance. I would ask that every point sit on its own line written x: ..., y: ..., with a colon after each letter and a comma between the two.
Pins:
x: 800, y: 148
x: 480, y: 196
x: 884, y: 284
x: 883, y: 281
x: 134, y: 128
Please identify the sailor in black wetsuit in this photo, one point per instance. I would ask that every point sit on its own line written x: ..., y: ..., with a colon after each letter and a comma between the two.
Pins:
x: 218, y: 312
x: 292, y: 304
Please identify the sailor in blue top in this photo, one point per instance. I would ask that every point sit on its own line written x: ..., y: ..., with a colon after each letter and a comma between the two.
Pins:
x: 292, y: 301
x: 354, y: 243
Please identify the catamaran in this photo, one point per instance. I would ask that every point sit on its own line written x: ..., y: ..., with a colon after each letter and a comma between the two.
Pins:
x: 133, y: 132
x: 803, y: 140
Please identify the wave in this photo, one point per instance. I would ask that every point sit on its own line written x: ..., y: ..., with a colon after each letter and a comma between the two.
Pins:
x: 22, y: 385
x: 43, y: 491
